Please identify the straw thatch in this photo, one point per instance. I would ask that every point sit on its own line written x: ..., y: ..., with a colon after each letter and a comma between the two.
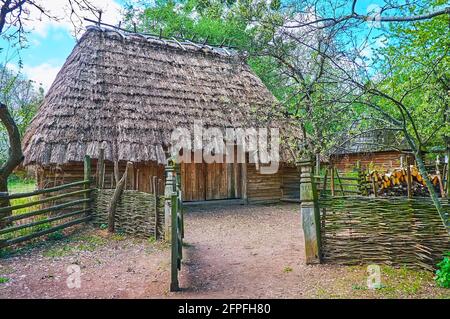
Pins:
x: 126, y: 92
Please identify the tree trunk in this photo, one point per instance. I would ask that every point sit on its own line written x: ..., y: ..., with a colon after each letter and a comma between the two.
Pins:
x: 4, y: 202
x: 15, y: 155
x: 434, y: 196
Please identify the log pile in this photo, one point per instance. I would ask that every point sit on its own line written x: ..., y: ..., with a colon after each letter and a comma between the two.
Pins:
x: 395, y: 182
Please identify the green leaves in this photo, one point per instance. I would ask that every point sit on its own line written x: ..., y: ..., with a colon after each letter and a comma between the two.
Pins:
x: 442, y: 277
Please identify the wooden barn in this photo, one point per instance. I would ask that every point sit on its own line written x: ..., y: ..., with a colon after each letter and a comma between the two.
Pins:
x: 126, y: 92
x: 377, y: 149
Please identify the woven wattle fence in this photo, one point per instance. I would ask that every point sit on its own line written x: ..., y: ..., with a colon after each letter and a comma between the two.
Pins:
x: 392, y: 231
x: 136, y: 212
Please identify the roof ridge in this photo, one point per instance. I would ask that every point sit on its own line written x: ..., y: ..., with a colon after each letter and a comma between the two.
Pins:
x: 173, y: 42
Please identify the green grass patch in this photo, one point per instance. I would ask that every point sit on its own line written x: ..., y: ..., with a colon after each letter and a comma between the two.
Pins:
x: 17, y: 185
x: 287, y: 269
x: 3, y: 280
x: 396, y: 282
x: 76, y: 244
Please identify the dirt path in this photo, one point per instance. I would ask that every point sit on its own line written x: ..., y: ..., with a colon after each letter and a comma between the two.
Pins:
x: 248, y: 251
x: 230, y: 252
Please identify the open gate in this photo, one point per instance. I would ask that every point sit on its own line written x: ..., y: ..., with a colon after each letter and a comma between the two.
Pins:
x: 173, y: 208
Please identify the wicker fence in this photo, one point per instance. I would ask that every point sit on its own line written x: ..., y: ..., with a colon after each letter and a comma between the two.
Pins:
x: 138, y: 213
x: 393, y: 231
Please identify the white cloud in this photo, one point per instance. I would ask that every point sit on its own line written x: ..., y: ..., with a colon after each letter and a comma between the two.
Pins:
x: 43, y: 74
x: 41, y: 24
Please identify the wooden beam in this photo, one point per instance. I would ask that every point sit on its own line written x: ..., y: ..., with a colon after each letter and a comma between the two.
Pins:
x: 116, y: 197
x: 310, y: 213
x: 244, y: 182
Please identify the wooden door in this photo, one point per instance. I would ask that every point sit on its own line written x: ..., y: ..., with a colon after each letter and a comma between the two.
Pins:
x: 210, y: 181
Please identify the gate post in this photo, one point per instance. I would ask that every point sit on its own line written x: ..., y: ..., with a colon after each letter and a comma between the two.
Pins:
x: 310, y: 212
x: 170, y: 182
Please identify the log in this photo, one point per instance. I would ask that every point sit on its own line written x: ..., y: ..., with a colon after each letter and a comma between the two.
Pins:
x: 116, y: 197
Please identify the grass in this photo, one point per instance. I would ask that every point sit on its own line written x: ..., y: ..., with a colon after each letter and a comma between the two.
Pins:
x: 287, y: 269
x: 3, y: 280
x: 396, y: 282
x: 78, y: 243
x: 17, y: 185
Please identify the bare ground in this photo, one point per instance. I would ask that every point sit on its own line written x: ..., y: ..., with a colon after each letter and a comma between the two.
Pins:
x: 230, y: 252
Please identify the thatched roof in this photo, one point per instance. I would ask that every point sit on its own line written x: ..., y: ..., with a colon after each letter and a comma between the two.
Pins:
x: 126, y: 92
x: 377, y: 140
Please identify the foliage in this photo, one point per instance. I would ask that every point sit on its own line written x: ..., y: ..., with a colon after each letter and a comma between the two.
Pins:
x: 443, y: 273
x: 22, y: 98
x: 414, y: 71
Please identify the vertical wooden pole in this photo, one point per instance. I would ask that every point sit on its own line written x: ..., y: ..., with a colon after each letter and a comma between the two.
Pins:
x: 439, y: 176
x: 310, y: 213
x: 408, y: 177
x: 168, y: 193
x: 317, y: 164
x: 155, y: 192
x: 174, y: 285
x: 100, y: 168
x: 4, y: 202
x: 332, y: 181
x: 374, y: 186
x: 244, y: 182
x: 87, y: 177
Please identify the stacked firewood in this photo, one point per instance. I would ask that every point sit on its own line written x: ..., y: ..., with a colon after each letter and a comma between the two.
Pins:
x: 395, y: 182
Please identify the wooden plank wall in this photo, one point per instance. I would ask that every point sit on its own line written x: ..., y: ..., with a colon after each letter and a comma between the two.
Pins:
x: 262, y: 188
x: 381, y: 160
x: 140, y: 178
x: 290, y: 183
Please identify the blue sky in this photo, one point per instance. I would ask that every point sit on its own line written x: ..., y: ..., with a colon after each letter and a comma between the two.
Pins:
x: 50, y: 43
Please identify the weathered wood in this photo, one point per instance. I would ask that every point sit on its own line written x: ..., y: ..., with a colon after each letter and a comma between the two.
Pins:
x: 40, y: 222
x: 46, y: 190
x: 45, y: 210
x: 45, y: 231
x: 174, y: 285
x: 310, y: 213
x: 340, y: 183
x: 116, y: 172
x: 244, y: 182
x: 100, y: 168
x: 87, y: 186
x: 332, y: 181
x: 154, y: 182
x: 390, y: 230
x: 46, y: 200
x: 116, y: 197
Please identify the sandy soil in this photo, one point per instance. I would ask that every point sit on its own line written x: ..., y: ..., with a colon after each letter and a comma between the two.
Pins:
x: 230, y: 252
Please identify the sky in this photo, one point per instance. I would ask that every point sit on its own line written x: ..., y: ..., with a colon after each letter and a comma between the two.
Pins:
x: 50, y: 42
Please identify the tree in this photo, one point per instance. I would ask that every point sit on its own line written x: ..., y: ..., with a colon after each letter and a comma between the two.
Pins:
x: 22, y: 99
x: 15, y: 90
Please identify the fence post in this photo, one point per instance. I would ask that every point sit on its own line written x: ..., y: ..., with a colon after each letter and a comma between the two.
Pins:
x: 174, y: 285
x: 167, y: 194
x: 310, y: 213
x: 180, y: 198
x: 408, y: 176
x: 87, y: 177
x: 332, y: 181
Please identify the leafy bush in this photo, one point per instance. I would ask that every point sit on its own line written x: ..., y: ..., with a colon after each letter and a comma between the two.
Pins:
x: 443, y: 273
